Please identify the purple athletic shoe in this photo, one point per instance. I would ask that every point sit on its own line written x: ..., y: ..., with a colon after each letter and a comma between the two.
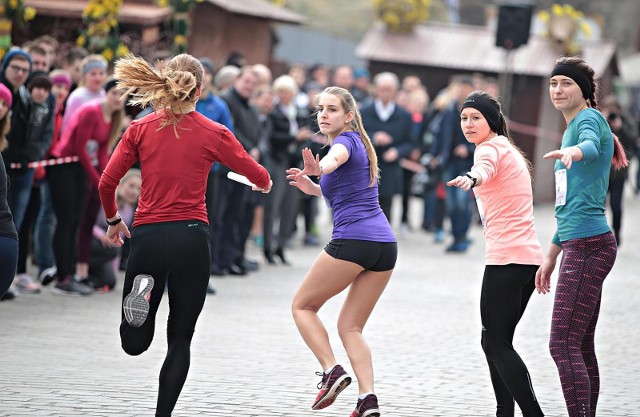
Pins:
x: 367, y: 407
x: 331, y: 385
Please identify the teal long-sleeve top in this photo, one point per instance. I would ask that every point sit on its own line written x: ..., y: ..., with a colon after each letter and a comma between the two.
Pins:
x: 583, y: 214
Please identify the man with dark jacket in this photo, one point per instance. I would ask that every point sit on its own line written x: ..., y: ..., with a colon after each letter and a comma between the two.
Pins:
x: 454, y: 154
x: 235, y: 202
x: 15, y: 69
x: 389, y: 127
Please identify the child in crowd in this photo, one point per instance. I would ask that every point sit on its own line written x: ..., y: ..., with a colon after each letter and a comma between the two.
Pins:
x: 104, y: 256
x: 41, y: 131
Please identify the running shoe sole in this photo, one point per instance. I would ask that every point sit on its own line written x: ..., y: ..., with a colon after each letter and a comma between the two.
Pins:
x: 337, y: 387
x: 136, y: 304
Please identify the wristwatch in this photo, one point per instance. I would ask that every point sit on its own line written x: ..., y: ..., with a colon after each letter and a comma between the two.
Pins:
x: 472, y: 178
x: 114, y: 222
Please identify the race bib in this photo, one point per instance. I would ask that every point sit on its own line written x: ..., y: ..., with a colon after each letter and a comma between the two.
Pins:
x: 561, y: 187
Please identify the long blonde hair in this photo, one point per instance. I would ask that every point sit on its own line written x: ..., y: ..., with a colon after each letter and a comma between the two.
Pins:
x: 167, y: 88
x: 349, y: 105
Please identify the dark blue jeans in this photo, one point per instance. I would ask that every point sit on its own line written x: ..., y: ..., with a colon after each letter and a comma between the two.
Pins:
x: 9, y: 262
x: 459, y: 209
x: 44, y: 228
x: 19, y: 194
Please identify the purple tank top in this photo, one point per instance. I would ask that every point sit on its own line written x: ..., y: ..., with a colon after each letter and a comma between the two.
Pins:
x: 356, y: 209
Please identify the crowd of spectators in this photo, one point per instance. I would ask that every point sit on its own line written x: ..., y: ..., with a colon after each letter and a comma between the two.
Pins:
x: 416, y: 135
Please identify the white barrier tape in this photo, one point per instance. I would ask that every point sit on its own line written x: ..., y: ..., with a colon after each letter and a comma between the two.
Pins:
x: 46, y: 162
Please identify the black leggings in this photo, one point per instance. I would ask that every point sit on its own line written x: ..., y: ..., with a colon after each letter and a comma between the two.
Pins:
x: 506, y: 290
x: 175, y: 254
x: 68, y: 184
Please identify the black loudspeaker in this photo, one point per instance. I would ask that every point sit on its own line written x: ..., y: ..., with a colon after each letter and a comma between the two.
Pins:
x: 514, y: 23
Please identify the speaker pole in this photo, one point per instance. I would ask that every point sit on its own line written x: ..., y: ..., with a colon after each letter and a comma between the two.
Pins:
x: 506, y: 81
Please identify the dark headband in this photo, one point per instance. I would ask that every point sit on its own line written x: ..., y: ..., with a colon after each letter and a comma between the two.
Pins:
x: 489, y: 109
x: 110, y: 84
x: 576, y: 75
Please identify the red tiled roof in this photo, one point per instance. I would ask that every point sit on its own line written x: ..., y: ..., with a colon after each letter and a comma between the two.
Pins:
x: 259, y: 8
x: 472, y: 48
x: 131, y: 13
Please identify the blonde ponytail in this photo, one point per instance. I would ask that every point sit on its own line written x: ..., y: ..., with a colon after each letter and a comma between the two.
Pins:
x: 166, y: 89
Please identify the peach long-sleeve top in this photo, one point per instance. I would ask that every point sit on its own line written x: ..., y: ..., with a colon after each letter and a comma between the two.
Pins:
x: 505, y: 203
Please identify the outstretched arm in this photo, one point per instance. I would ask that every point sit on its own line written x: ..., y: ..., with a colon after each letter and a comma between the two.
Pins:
x: 313, y: 166
x: 567, y: 155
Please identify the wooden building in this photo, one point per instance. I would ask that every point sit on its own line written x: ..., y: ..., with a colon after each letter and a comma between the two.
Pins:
x: 437, y: 52
x: 218, y: 27
x: 223, y: 26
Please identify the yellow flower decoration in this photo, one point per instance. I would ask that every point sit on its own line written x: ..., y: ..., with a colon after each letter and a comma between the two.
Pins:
x: 102, y: 34
x: 586, y: 29
x: 16, y: 12
x: 29, y: 13
x: 180, y: 40
x: 543, y: 15
x: 108, y: 54
x: 565, y: 12
x: 5, y: 26
x: 122, y: 50
x: 557, y: 10
x: 81, y: 40
x: 402, y: 15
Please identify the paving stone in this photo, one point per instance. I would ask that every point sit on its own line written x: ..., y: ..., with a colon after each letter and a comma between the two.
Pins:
x: 62, y: 356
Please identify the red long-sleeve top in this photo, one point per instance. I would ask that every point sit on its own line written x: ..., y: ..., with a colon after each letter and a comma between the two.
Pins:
x: 175, y: 169
x: 87, y: 136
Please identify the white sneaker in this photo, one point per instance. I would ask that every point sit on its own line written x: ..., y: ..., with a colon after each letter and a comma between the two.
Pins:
x: 25, y: 284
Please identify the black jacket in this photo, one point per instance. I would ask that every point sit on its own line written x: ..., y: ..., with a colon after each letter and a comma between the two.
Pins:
x: 19, y: 137
x: 399, y: 127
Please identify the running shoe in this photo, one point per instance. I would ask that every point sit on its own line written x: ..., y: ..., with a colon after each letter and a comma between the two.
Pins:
x: 47, y: 275
x: 70, y: 286
x: 367, y: 407
x: 136, y: 304
x: 11, y: 294
x: 332, y: 384
x: 25, y: 284
x: 96, y: 284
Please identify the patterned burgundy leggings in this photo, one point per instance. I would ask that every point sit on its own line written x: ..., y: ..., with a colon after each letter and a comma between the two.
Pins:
x: 585, y: 264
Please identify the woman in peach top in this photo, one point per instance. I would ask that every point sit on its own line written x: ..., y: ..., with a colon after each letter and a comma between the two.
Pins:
x: 501, y: 181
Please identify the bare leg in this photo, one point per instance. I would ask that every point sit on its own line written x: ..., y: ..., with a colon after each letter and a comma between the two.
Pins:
x: 82, y: 269
x: 363, y: 296
x: 326, y: 278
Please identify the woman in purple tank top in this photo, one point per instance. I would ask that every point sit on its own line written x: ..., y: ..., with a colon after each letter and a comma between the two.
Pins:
x: 361, y: 254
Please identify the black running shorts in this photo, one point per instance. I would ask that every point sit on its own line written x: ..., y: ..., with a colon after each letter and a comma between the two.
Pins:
x: 372, y: 256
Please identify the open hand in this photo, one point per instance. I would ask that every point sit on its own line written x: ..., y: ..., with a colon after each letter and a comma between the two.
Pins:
x: 563, y: 155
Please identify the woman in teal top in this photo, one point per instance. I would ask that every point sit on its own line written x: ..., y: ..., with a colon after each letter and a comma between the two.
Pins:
x: 583, y: 235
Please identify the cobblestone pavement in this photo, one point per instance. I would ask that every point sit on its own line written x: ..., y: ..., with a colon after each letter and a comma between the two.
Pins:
x: 61, y: 355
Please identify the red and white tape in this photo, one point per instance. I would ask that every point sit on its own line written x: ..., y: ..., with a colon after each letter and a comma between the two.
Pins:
x: 46, y: 162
